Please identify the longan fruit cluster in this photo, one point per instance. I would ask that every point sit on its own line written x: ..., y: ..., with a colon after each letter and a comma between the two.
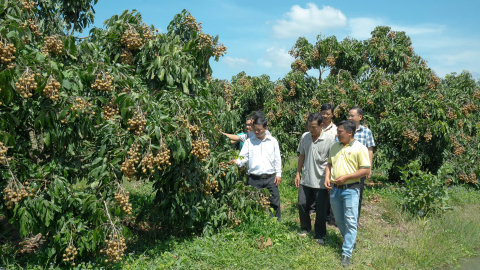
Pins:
x: 314, y: 102
x: 210, y: 185
x: 51, y: 89
x: 278, y: 93
x: 193, y: 129
x: 355, y: 87
x: 406, y: 65
x: 457, y: 148
x: 476, y: 94
x: 219, y: 50
x: 33, y: 27
x: 270, y: 116
x: 26, y: 84
x: 122, y: 198
x: 137, y: 123
x: 163, y: 158
x: 468, y: 108
x: 114, y: 249
x: 293, y: 85
x: 192, y: 24
x: 460, y: 124
x: 300, y: 65
x: 127, y: 57
x: 236, y: 222
x: 391, y: 35
x: 128, y: 166
x: 463, y: 177
x: 15, y: 192
x: 365, y: 56
x: 70, y: 254
x: 412, y: 135
x: 264, y: 201
x: 373, y: 41
x: 370, y: 102
x: 428, y: 135
x: 343, y: 105
x: 448, y: 182
x: 279, y: 113
x: 228, y: 93
x: 373, y: 90
x: 131, y: 39
x: 103, y: 82
x: 147, y: 32
x: 222, y: 167
x: 472, y: 178
x: 52, y: 44
x: 337, y: 112
x: 316, y: 54
x: 440, y: 97
x: 80, y: 105
x: 451, y: 114
x: 423, y: 63
x: 3, y: 154
x: 147, y: 163
x: 110, y: 110
x: 331, y: 61
x: 28, y: 5
x: 7, y: 51
x: 341, y: 90
x: 468, y: 138
x: 201, y: 149
x: 382, y: 56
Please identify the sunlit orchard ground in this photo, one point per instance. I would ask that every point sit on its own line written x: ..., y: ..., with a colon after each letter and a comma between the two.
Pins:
x: 389, y: 239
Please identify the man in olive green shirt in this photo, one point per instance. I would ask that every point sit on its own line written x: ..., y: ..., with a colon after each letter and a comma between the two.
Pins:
x: 314, y: 148
x: 348, y: 162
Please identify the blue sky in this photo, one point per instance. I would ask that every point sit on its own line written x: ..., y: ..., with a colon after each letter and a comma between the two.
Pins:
x: 258, y: 34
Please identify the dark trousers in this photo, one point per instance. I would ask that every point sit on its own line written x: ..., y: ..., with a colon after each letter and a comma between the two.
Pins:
x: 306, y: 196
x: 268, y: 183
x: 362, y: 184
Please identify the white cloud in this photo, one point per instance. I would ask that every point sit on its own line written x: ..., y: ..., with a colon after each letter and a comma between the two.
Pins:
x: 361, y: 28
x: 276, y: 57
x: 236, y: 62
x: 300, y: 21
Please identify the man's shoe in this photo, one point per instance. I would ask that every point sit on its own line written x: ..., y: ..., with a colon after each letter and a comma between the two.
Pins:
x: 345, y: 261
x: 321, y: 242
x: 303, y: 234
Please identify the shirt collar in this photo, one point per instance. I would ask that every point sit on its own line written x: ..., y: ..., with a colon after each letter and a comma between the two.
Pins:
x: 360, y: 128
x: 266, y: 137
x: 350, y: 144
x: 329, y: 126
x: 321, y: 137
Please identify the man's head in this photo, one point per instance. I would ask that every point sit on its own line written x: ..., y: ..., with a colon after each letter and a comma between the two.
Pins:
x: 259, y: 125
x: 355, y: 114
x: 345, y: 131
x: 315, y: 122
x: 327, y: 113
x: 249, y: 125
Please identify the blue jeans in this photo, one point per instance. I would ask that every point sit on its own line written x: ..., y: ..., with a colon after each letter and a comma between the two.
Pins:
x: 345, y: 209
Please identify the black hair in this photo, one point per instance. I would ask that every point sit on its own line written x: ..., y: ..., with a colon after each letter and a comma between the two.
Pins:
x: 348, y: 125
x: 315, y: 117
x: 326, y: 106
x: 358, y: 109
x: 256, y: 114
x: 260, y: 120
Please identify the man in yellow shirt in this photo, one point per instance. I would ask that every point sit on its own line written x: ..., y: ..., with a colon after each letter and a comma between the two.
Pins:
x: 347, y: 163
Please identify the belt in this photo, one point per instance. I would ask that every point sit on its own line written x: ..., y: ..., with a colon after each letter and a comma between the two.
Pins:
x: 261, y: 176
x: 352, y: 185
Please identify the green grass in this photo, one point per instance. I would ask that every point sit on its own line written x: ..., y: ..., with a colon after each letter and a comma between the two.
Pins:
x: 389, y: 239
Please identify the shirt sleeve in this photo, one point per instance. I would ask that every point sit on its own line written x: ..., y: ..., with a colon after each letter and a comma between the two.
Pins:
x: 370, y: 142
x: 363, y: 159
x: 278, y: 160
x: 300, y: 148
x: 242, y: 137
x: 243, y: 159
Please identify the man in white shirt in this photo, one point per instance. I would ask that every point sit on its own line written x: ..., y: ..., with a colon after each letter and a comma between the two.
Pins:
x: 244, y: 137
x: 262, y: 153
